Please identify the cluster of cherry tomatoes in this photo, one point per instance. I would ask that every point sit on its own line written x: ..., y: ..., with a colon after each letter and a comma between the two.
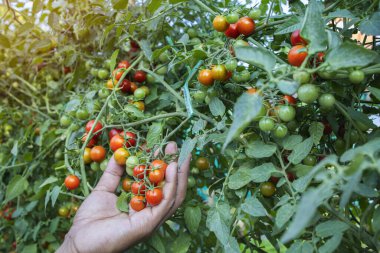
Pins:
x: 67, y: 210
x: 7, y: 211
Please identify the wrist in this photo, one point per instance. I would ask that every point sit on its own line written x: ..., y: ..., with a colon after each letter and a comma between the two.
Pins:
x: 67, y: 246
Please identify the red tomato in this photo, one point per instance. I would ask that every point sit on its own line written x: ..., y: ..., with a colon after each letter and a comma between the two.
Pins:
x: 125, y: 86
x: 139, y: 171
x: 138, y: 188
x: 123, y: 64
x: 220, y: 23
x: 91, y: 142
x: 296, y: 39
x: 154, y: 197
x: 140, y: 76
x: 134, y: 44
x: 97, y: 127
x: 114, y: 132
x: 8, y: 212
x: 72, y: 182
x: 156, y: 176
x: 117, y: 142
x: 291, y: 100
x: 130, y: 139
x: 232, y: 31
x: 133, y: 87
x: 98, y: 154
x: 117, y: 74
x: 205, y: 77
x: 121, y: 155
x: 291, y: 176
x: 137, y: 203
x: 158, y: 165
x: 246, y: 26
x: 320, y: 57
x: 66, y: 70
x: 297, y: 55
x: 126, y: 184
x: 328, y: 129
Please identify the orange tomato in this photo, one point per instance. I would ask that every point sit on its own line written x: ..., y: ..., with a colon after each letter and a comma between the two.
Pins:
x: 98, y: 154
x: 121, y: 156
x: 205, y: 77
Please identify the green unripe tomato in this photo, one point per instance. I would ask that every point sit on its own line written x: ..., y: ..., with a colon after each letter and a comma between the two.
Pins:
x: 266, y: 124
x: 191, y: 182
x: 231, y: 65
x: 74, y: 127
x: 63, y: 211
x: 192, y: 33
x: 82, y: 114
x: 245, y: 75
x: 103, y: 73
x: 356, y: 76
x: 195, y: 41
x: 340, y: 146
x: 194, y: 171
x: 94, y: 72
x: 326, y: 74
x: 310, y: 160
x: 207, y: 99
x: 139, y: 94
x: 308, y: 93
x: 327, y: 101
x: 280, y: 131
x: 267, y: 189
x: 89, y: 65
x: 164, y: 57
x: 103, y: 93
x: 95, y: 166
x: 232, y: 18
x: 301, y: 77
x: 132, y: 162
x: 286, y: 113
x: 58, y: 155
x: 199, y: 96
x: 236, y: 77
x: 103, y: 165
x: 254, y: 14
x: 129, y: 171
x: 65, y: 121
x: 150, y: 79
x: 161, y: 70
x: 107, y: 64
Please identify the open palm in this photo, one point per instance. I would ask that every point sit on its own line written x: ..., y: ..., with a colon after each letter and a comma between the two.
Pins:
x: 100, y: 227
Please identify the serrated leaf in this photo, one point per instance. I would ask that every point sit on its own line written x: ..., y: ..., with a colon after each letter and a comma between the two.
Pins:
x: 331, y: 245
x: 340, y: 13
x: 217, y: 107
x: 316, y: 131
x: 187, y: 147
x: 146, y: 48
x: 240, y: 178
x: 376, y: 219
x: 184, y: 39
x: 253, y: 207
x: 192, y: 217
x: 122, y: 202
x: 113, y: 60
x: 330, y: 228
x: 288, y: 27
x: 217, y: 219
x: 182, y: 243
x: 53, y: 20
x: 288, y: 87
x: 154, y: 134
x: 300, y: 151
x: 255, y: 56
x: 246, y: 109
x: 284, y: 214
x: 16, y: 187
x: 259, y: 149
x: 199, y: 126
x: 262, y: 172
x: 289, y: 142
x: 371, y: 26
x: 49, y: 180
x: 300, y: 247
x: 30, y: 248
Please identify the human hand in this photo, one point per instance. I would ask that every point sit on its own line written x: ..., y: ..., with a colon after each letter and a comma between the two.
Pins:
x: 100, y: 227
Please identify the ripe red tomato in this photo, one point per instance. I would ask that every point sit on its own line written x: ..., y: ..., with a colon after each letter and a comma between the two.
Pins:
x: 66, y: 70
x: 290, y: 100
x: 205, y: 77
x: 297, y: 55
x: 121, y: 155
x: 154, y: 197
x: 98, y: 154
x: 291, y: 176
x: 130, y: 139
x: 126, y: 184
x: 123, y: 64
x: 140, y: 76
x: 97, y: 127
x: 220, y: 23
x: 72, y: 182
x: 137, y: 203
x: 138, y: 188
x: 296, y: 39
x: 125, y: 86
x: 134, y: 44
x: 328, y: 129
x: 139, y: 171
x: 219, y: 72
x: 156, y: 176
x: 246, y: 26
x: 158, y: 165
x: 320, y: 57
x: 117, y: 141
x: 133, y: 87
x: 117, y: 74
x: 232, y: 31
x: 91, y: 142
x: 114, y: 132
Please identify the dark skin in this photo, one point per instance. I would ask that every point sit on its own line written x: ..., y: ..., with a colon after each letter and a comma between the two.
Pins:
x: 100, y: 227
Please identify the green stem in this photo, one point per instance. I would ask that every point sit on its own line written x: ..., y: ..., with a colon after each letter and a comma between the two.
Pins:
x: 205, y: 7
x: 226, y: 179
x: 274, y: 23
x: 340, y: 108
x: 66, y: 155
x: 72, y: 195
x: 256, y: 43
x: 30, y: 86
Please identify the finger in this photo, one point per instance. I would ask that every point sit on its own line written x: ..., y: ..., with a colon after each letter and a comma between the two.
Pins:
x: 171, y: 148
x: 111, y: 177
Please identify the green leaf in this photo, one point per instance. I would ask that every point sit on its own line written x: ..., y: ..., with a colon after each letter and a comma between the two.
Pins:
x: 300, y: 151
x: 155, y: 241
x: 37, y: 6
x: 376, y: 219
x: 375, y: 91
x: 255, y: 56
x: 217, y: 107
x: 217, y: 221
x: 313, y: 28
x: 334, y: 39
x: 262, y: 172
x: 53, y: 20
x: 359, y: 56
x: 4, y: 42
x: 330, y: 228
x: 181, y: 243
x: 301, y: 247
x: 288, y: 87
x: 14, y: 150
x: 331, y: 245
x: 153, y: 5
x: 360, y: 117
x: 290, y: 141
x: 159, y: 51
x: 240, y: 178
x: 30, y: 248
x: 122, y: 202
x: 49, y: 180
x: 284, y: 214
x: 253, y: 207
x: 246, y: 109
x: 193, y: 216
x: 371, y: 26
x: 259, y: 149
x: 187, y: 147
x: 120, y: 4
x: 154, y: 134
x: 55, y: 194
x: 16, y: 187
x: 113, y: 60
x: 146, y: 48
x: 198, y: 126
x: 340, y: 13
x: 289, y: 26
x: 316, y: 131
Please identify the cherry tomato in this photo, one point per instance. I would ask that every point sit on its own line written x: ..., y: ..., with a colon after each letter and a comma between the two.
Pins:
x: 308, y: 93
x: 139, y: 105
x: 296, y: 39
x: 125, y: 86
x: 110, y: 84
x: 202, y: 163
x: 65, y: 121
x: 267, y: 189
x: 117, y: 142
x: 63, y: 211
x: 103, y: 93
x: 137, y: 203
x: 82, y: 114
x: 8, y: 213
x: 103, y: 73
x: 191, y: 182
x: 74, y: 208
x: 121, y: 155
x: 134, y: 44
x: 310, y: 160
x: 66, y: 70
x: 297, y: 55
x: 123, y: 64
x: 218, y: 72
x: 133, y: 87
x: 254, y: 14
x: 356, y: 76
x: 327, y: 101
x: 205, y: 77
x: 97, y: 127
x: 87, y: 156
x: 266, y: 124
x: 132, y: 161
x: 98, y: 154
x: 301, y: 77
x: 156, y: 176
x: 220, y: 23
x: 126, y: 184
x: 158, y: 165
x: 114, y: 132
x: 286, y: 113
x: 130, y: 139
x: 290, y: 100
x: 91, y: 142
x: 231, y: 65
x: 291, y: 177
x: 139, y: 94
x: 327, y: 127
x: 246, y: 26
x: 138, y: 188
x: 232, y: 18
x: 117, y: 73
x: 232, y: 31
x: 72, y: 182
x: 140, y: 76
x: 146, y: 90
x: 280, y: 131
x: 139, y: 171
x: 154, y: 197
x: 320, y: 57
